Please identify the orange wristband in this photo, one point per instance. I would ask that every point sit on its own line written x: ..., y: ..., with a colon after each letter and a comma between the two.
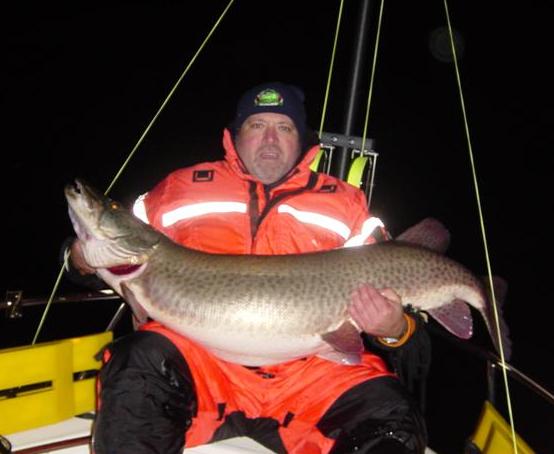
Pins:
x: 393, y: 342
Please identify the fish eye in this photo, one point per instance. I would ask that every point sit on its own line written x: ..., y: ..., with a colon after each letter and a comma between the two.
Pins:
x: 114, y: 205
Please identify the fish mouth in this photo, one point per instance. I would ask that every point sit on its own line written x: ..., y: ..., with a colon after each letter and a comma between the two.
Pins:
x: 84, y: 207
x: 82, y: 193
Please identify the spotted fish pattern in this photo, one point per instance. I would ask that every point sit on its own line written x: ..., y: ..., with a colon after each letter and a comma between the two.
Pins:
x: 258, y: 310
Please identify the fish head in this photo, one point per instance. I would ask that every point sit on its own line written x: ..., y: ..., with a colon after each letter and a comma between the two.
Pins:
x: 110, y: 234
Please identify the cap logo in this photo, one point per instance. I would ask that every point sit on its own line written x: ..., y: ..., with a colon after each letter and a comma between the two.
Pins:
x: 268, y: 97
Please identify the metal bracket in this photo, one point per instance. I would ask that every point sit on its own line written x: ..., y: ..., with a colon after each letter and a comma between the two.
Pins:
x: 350, y: 142
x: 363, y: 159
x: 5, y: 445
x: 12, y: 303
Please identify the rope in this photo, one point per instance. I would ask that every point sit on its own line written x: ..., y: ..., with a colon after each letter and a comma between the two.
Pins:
x: 131, y: 154
x: 49, y: 303
x: 482, y: 224
x: 331, y: 65
x: 172, y: 91
x: 372, y: 76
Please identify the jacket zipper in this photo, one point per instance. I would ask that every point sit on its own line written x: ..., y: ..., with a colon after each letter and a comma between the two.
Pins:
x: 256, y: 218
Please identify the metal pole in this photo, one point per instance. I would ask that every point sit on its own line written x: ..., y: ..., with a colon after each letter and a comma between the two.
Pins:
x: 340, y: 166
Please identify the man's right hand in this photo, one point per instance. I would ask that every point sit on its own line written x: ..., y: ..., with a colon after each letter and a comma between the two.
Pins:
x: 78, y: 259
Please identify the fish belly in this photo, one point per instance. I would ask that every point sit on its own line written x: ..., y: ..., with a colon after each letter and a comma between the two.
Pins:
x: 251, y: 349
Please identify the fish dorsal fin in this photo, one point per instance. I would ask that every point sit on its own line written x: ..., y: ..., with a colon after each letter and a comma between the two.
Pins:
x: 455, y: 317
x: 429, y: 233
x: 346, y: 343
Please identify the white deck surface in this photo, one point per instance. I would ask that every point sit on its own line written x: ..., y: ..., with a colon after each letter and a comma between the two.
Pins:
x: 78, y: 427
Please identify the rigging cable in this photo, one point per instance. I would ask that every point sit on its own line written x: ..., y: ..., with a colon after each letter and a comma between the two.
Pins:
x: 128, y: 159
x: 314, y: 166
x: 168, y: 97
x: 481, y: 218
x: 504, y: 366
x: 331, y: 65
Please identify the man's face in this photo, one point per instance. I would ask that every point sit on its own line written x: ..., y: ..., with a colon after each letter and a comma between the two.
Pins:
x: 269, y: 145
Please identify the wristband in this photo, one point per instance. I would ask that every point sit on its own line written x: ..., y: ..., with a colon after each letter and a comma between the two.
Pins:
x: 397, y: 342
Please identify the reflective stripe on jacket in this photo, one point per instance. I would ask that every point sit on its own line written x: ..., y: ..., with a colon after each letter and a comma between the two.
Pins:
x: 218, y: 207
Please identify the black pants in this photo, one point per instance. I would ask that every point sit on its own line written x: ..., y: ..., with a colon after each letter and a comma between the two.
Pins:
x: 147, y: 402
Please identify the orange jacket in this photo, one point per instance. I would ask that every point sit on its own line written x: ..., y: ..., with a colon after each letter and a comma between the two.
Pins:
x: 218, y: 207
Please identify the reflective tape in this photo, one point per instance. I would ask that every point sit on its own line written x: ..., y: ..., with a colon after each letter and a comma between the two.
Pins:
x: 200, y: 209
x: 139, y: 209
x: 368, y: 227
x: 321, y: 220
x: 306, y: 217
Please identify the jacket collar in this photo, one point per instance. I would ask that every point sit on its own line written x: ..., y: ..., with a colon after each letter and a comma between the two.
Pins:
x: 299, y: 174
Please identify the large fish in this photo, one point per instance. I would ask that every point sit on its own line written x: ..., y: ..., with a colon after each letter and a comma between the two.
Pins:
x: 259, y: 310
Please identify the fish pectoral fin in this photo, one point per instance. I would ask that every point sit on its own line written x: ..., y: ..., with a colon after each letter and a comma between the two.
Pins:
x: 139, y: 313
x: 455, y: 317
x: 346, y: 344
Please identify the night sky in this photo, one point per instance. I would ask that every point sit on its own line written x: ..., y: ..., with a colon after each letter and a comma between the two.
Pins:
x: 82, y: 81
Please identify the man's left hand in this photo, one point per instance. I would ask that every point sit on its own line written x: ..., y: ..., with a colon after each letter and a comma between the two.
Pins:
x: 377, y: 312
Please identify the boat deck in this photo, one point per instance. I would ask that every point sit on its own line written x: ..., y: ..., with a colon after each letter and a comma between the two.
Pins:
x: 72, y: 437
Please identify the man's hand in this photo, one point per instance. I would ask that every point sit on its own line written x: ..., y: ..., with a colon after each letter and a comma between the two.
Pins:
x: 78, y: 259
x: 378, y: 312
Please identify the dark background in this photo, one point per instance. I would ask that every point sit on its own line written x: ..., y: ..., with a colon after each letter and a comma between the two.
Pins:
x: 81, y: 81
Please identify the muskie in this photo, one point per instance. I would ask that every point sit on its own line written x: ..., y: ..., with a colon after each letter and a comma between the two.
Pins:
x: 259, y: 310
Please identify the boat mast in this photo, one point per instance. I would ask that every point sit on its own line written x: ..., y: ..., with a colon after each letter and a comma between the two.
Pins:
x: 339, y: 166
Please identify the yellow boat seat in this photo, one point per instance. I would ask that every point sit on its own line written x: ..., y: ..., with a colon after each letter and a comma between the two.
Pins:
x: 48, y: 382
x: 493, y: 434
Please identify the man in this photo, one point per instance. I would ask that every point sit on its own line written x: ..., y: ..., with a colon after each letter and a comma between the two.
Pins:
x: 159, y: 391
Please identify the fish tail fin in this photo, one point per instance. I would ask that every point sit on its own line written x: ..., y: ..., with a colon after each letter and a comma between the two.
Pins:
x: 500, y: 290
